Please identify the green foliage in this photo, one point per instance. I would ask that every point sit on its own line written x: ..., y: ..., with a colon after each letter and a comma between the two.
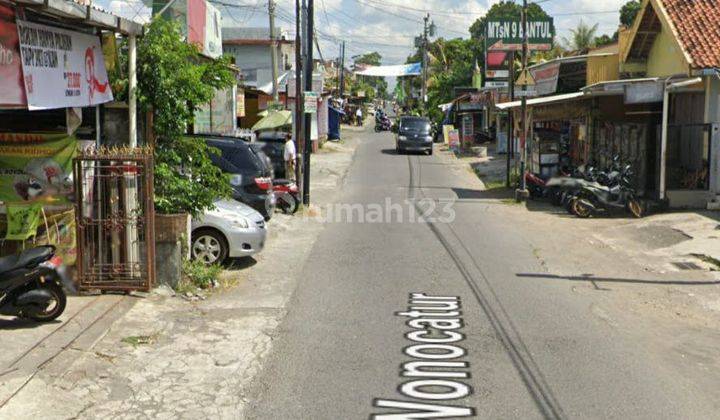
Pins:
x: 583, y: 36
x: 605, y: 39
x: 372, y: 59
x: 173, y: 79
x: 378, y: 85
x: 185, y: 178
x: 199, y: 275
x: 505, y: 10
x: 628, y: 12
x: 451, y: 63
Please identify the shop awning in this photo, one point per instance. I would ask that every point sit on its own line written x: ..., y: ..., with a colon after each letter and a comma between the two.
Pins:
x: 543, y: 100
x: 87, y: 13
x: 274, y: 120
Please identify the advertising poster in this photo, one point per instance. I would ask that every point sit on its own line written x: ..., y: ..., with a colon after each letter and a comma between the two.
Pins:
x: 62, y: 68
x: 204, y: 24
x: 36, y: 168
x: 497, y: 65
x: 12, y: 93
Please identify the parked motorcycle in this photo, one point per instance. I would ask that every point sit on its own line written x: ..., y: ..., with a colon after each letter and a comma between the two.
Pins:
x: 593, y: 199
x: 31, y: 284
x: 287, y: 195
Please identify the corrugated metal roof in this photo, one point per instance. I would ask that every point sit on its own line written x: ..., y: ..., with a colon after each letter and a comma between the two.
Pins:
x: 543, y: 100
x: 251, y: 33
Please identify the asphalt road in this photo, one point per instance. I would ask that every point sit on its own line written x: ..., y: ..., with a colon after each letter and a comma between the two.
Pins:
x: 532, y: 348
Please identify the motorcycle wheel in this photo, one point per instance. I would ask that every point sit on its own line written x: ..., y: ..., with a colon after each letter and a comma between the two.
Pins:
x: 569, y: 203
x: 581, y: 209
x: 635, y: 208
x: 54, y: 309
x: 377, y: 129
x: 289, y: 204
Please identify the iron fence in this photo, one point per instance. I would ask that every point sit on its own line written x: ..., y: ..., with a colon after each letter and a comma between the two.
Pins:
x: 115, y: 219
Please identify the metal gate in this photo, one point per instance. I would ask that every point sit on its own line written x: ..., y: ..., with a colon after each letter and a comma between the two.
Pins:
x: 115, y: 219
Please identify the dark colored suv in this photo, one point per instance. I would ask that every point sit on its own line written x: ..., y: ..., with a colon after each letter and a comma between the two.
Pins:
x: 414, y: 134
x: 250, y: 179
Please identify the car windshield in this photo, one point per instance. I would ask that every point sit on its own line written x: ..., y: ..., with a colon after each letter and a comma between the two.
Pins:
x: 415, y: 125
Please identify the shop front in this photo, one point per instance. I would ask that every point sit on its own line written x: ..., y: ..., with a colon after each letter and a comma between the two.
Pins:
x: 54, y: 86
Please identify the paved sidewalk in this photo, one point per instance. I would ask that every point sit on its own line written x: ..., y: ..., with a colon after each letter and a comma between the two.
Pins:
x: 170, y: 358
x: 663, y: 265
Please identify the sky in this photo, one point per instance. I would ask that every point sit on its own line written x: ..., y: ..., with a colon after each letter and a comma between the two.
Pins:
x: 388, y: 26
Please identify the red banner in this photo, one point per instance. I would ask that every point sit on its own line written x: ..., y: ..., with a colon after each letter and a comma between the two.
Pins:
x: 12, y: 88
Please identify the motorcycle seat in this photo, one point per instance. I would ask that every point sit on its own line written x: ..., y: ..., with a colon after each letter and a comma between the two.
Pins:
x: 31, y: 257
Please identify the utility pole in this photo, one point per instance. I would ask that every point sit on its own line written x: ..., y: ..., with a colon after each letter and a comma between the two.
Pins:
x: 273, y: 51
x: 298, y: 95
x: 308, y: 87
x: 338, y: 67
x: 510, y: 147
x: 342, y: 71
x: 423, y: 88
x: 522, y: 193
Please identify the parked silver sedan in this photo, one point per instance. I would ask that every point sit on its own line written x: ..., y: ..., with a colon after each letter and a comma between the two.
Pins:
x: 231, y: 230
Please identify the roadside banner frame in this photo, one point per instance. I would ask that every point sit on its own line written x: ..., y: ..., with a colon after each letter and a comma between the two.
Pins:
x: 507, y: 34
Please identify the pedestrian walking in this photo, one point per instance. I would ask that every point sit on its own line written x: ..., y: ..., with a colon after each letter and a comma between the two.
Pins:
x: 290, y: 155
x: 359, y: 116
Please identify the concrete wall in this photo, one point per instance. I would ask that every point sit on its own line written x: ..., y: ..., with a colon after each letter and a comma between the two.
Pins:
x: 250, y: 57
x: 665, y: 58
x: 712, y: 115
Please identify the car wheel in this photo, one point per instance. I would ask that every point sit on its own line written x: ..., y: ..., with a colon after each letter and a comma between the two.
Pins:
x: 209, y: 246
x: 430, y: 151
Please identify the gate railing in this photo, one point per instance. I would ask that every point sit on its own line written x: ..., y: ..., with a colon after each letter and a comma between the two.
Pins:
x: 115, y: 219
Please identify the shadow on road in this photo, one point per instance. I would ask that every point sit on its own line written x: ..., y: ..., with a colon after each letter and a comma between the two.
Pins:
x: 389, y: 152
x: 239, y: 263
x: 592, y: 279
x: 23, y: 324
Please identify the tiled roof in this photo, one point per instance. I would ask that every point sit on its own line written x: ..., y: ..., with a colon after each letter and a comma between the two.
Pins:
x: 697, y: 23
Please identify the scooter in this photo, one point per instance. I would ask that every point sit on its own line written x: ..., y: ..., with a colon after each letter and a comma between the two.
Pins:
x: 31, y: 284
x: 383, y: 124
x: 287, y: 195
x: 596, y: 198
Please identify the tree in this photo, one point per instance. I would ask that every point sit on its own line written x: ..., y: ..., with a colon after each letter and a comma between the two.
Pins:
x: 505, y: 10
x: 605, y: 39
x: 450, y: 65
x: 583, y: 36
x: 378, y: 84
x: 628, y: 12
x: 173, y: 79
